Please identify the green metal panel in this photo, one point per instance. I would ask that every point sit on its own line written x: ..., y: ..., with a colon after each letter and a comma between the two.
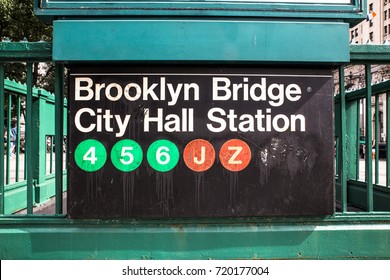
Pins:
x: 370, y: 53
x: 231, y: 240
x: 15, y: 197
x: 15, y: 194
x: 357, y: 196
x: 351, y: 11
x: 25, y: 51
x: 199, y: 41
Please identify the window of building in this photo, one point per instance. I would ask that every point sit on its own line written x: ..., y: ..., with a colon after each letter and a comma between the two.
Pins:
x: 386, y: 29
x: 352, y: 33
x: 371, y: 23
x: 356, y: 32
x: 372, y: 36
x: 385, y: 15
x: 371, y: 7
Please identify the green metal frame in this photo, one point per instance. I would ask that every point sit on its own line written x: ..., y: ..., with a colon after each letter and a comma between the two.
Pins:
x: 51, y: 238
x: 36, y: 187
x: 352, y: 12
x: 370, y: 53
x: 43, y: 184
x: 25, y: 51
x: 369, y: 194
x: 198, y: 41
x: 345, y: 235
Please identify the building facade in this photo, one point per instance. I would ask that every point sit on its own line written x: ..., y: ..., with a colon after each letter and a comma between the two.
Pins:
x: 374, y: 30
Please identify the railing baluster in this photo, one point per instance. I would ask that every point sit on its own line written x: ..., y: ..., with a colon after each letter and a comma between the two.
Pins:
x: 376, y: 139
x: 342, y: 152
x: 387, y: 139
x: 2, y: 146
x: 18, y: 143
x: 369, y: 139
x: 358, y: 139
x: 51, y: 153
x: 337, y: 157
x: 29, y: 125
x: 59, y: 132
x: 9, y: 150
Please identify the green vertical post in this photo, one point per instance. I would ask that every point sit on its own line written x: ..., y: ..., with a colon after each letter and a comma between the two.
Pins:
x: 51, y: 153
x: 59, y: 134
x: 2, y: 146
x: 9, y: 151
x: 358, y: 139
x: 40, y: 123
x: 387, y: 138
x: 377, y: 139
x: 337, y: 155
x: 17, y: 139
x: 66, y: 141
x: 369, y: 139
x: 29, y: 142
x: 342, y: 141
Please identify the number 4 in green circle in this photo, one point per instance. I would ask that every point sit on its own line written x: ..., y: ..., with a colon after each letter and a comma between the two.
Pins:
x: 90, y: 155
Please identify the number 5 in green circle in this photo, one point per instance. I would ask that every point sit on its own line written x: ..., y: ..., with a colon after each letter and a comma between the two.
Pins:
x: 90, y: 155
x: 126, y: 155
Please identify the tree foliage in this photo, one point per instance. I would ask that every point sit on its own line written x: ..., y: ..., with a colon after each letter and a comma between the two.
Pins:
x: 17, y: 23
x: 5, y: 13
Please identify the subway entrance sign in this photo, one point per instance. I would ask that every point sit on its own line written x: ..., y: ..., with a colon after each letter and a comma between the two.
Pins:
x: 200, y: 141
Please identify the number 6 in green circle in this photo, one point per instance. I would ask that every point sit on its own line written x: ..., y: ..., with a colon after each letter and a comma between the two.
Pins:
x: 126, y: 155
x: 90, y: 155
x: 163, y: 155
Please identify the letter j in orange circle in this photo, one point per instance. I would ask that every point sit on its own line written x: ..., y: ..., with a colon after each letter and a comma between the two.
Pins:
x: 235, y: 155
x: 199, y: 155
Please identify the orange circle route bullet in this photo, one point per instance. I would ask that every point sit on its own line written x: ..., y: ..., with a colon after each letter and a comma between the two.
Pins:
x: 199, y: 155
x: 235, y: 155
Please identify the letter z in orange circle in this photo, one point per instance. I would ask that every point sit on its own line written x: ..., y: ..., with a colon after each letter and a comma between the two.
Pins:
x: 235, y: 155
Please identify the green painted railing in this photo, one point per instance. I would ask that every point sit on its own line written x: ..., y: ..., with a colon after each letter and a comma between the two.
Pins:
x: 359, y: 228
x: 28, y: 172
x: 363, y: 183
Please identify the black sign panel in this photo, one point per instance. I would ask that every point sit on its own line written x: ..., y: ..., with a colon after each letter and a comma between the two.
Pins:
x: 200, y: 142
